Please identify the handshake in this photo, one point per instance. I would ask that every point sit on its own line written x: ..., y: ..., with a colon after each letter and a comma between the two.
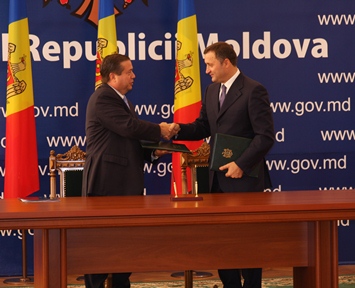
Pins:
x: 168, y: 131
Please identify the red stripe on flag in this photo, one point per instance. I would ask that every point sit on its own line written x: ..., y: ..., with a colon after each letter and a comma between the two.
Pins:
x: 187, y: 114
x: 21, y: 160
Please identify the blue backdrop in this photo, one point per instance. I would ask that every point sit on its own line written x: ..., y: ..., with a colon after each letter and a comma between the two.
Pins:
x: 302, y: 51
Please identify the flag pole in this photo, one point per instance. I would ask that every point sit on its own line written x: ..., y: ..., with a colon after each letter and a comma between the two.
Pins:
x: 21, y: 143
x: 187, y: 102
x: 24, y: 278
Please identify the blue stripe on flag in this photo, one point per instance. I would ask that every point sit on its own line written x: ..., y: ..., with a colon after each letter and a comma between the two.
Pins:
x: 105, y: 8
x: 17, y: 10
x: 186, y: 9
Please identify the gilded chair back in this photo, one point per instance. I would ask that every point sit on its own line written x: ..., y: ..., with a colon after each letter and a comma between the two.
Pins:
x: 69, y: 166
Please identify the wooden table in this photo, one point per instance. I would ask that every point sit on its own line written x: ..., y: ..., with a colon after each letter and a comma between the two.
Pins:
x: 140, y: 234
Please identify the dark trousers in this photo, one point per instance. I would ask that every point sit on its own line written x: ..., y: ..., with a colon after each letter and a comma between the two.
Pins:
x: 119, y: 280
x: 232, y: 278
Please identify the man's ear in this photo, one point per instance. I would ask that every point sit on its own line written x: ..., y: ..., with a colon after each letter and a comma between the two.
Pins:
x: 111, y: 75
x: 227, y: 62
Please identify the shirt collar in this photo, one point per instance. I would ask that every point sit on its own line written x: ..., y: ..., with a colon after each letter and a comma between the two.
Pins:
x: 122, y: 96
x: 229, y: 83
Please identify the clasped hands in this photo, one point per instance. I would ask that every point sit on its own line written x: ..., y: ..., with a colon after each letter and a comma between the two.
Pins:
x: 168, y: 131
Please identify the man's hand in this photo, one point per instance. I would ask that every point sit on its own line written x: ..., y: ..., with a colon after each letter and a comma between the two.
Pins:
x: 174, y: 129
x: 233, y: 170
x: 167, y: 131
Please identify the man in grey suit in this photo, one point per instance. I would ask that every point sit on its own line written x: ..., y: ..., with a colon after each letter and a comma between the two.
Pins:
x: 245, y: 112
x: 114, y: 156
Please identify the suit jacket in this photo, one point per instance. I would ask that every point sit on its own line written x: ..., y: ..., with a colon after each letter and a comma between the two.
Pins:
x: 114, y: 156
x: 246, y: 113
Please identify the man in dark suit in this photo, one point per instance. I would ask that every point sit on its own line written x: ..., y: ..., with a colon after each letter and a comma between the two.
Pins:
x: 245, y: 112
x: 114, y: 156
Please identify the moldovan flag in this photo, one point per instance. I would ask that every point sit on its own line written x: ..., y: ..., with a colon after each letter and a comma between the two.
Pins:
x: 21, y: 162
x: 106, y: 35
x: 187, y: 100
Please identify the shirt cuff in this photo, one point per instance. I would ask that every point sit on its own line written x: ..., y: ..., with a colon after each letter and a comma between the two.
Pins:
x: 153, y: 157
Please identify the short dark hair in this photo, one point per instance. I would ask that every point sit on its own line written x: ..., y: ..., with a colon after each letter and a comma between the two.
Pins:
x: 112, y: 63
x: 223, y: 51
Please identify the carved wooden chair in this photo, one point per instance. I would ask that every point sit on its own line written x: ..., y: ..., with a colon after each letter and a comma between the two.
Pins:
x: 197, y: 161
x: 69, y: 167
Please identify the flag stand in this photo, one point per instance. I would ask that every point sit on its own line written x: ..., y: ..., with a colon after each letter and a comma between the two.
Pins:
x: 188, y: 274
x: 24, y: 278
x: 184, y: 197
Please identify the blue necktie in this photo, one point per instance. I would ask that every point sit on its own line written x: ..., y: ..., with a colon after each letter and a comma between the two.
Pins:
x: 222, y: 96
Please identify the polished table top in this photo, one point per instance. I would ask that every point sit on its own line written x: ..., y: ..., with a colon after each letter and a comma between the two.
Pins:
x: 156, y: 210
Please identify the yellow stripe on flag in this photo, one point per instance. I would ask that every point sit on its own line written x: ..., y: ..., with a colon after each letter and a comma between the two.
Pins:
x: 106, y: 43
x: 189, y: 69
x: 20, y: 94
x: 107, y: 30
